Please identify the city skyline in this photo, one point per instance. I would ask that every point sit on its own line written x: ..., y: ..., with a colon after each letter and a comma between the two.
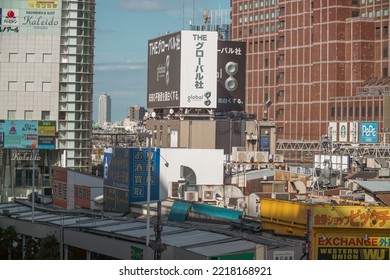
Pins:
x: 121, y: 50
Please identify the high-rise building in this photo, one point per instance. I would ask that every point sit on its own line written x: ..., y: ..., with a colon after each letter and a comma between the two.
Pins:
x: 104, y: 109
x: 307, y: 60
x: 46, y: 71
x: 136, y: 113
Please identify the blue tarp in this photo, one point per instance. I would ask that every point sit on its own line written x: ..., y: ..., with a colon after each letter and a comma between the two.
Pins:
x: 215, y: 211
x: 179, y: 211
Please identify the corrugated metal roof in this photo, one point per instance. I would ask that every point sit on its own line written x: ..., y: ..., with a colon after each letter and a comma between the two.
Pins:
x: 224, y: 248
x: 141, y: 232
x: 193, y: 237
x: 121, y: 227
x: 199, y: 240
x: 362, y: 175
x: 258, y: 174
x: 68, y: 222
x: 374, y: 186
x: 385, y: 198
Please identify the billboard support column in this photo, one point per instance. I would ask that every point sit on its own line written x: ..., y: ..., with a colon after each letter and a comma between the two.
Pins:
x: 33, y: 186
x: 149, y: 136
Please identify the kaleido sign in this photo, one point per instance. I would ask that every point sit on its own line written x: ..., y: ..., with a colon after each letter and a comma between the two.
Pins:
x: 25, y: 155
x: 30, y: 17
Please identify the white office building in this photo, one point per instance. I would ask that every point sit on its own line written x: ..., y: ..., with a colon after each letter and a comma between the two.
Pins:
x: 46, y: 73
x: 104, y: 109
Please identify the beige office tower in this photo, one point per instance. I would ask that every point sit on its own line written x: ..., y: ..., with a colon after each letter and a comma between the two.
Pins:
x: 46, y: 73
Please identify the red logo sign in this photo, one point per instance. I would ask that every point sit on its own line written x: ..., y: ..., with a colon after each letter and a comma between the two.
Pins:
x: 11, y: 14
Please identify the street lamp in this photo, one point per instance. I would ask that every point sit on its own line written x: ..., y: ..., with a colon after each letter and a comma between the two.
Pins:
x: 33, y: 186
x: 33, y: 149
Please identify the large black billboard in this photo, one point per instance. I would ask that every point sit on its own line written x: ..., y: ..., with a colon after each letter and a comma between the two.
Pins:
x: 164, y: 71
x: 182, y: 69
x: 231, y: 76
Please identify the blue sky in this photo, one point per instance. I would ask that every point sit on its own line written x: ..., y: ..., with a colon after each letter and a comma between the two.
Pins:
x: 123, y: 28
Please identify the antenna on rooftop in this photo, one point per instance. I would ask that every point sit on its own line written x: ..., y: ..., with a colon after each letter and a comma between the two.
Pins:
x: 193, y: 12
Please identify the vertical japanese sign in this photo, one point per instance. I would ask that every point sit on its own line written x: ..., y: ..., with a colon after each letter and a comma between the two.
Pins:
x: 46, y: 134
x: 198, y: 69
x: 354, y: 132
x: 231, y: 76
x: 115, y: 199
x: 1, y: 134
x: 343, y: 132
x: 332, y: 131
x: 117, y: 175
x: 139, y: 174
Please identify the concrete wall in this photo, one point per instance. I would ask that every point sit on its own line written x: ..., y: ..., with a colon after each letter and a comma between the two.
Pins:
x: 197, y: 134
x: 76, y: 178
x: 206, y: 163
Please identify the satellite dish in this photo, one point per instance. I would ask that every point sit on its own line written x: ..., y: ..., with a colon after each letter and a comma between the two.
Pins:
x: 153, y: 114
x: 171, y: 111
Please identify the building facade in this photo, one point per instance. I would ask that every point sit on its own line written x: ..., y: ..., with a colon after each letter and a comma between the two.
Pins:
x: 104, y: 109
x: 307, y: 59
x: 136, y: 113
x: 46, y: 73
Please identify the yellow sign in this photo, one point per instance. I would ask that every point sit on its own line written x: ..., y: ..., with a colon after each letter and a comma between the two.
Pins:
x: 351, y: 217
x: 284, y: 217
x: 47, y: 131
x: 42, y: 4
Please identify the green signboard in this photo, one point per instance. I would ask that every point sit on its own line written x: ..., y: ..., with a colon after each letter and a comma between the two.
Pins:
x: 137, y: 253
x: 237, y: 256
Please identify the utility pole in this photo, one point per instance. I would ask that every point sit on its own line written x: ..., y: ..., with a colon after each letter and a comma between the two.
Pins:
x: 158, y: 246
x: 309, y: 240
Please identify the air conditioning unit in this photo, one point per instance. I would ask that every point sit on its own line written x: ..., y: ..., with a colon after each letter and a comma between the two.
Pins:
x: 278, y: 158
x: 345, y: 192
x: 281, y: 196
x: 241, y: 157
x: 319, y: 193
x: 191, y: 196
x: 265, y: 115
x: 208, y: 195
x: 251, y: 137
x: 241, y: 204
x: 353, y: 186
x: 174, y: 189
x: 262, y: 156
